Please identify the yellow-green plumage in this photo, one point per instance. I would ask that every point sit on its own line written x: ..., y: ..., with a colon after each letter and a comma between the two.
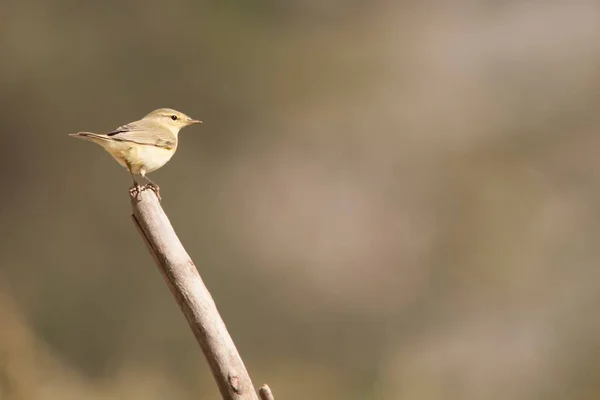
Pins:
x: 145, y: 145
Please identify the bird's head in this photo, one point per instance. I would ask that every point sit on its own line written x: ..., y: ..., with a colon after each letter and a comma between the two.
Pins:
x: 171, y: 119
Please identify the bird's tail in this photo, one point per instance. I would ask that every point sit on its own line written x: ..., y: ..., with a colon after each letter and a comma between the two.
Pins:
x: 93, y: 137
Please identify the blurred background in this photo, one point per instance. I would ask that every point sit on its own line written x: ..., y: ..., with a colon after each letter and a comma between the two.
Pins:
x: 387, y: 200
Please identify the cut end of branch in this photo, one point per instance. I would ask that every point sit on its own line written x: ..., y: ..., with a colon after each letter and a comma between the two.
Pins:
x: 265, y: 393
x: 140, y: 193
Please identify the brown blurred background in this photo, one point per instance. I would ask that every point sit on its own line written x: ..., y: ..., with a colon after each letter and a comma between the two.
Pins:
x: 388, y: 200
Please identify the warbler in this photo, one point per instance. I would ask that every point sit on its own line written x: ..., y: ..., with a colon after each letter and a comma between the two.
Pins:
x: 145, y: 145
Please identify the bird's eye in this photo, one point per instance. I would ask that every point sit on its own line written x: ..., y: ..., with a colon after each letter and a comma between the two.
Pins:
x: 174, y: 117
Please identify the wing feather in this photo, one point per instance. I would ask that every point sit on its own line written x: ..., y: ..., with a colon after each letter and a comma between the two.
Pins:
x: 145, y: 133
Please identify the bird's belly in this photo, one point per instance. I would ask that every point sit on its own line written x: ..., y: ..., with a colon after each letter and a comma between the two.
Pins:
x: 141, y: 157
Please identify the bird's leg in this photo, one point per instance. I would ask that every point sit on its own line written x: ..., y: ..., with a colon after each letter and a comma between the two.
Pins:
x: 136, y: 189
x: 151, y: 185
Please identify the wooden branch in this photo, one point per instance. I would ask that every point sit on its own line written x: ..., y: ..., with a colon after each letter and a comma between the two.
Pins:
x: 265, y: 393
x: 193, y: 298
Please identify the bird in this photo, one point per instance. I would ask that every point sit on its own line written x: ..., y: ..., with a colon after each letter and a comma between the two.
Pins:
x: 145, y: 145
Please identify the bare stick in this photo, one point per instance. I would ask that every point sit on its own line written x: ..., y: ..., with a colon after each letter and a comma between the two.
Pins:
x: 193, y: 298
x: 265, y: 393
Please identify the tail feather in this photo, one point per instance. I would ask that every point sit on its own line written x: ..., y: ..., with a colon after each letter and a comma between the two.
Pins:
x: 94, y: 137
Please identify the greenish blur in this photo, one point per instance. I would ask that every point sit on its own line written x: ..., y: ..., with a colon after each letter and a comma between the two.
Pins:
x: 387, y: 200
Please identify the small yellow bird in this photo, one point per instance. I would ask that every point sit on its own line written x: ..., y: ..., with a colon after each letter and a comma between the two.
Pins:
x: 143, y: 146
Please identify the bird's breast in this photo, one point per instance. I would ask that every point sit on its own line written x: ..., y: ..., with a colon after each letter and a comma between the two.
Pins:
x: 151, y: 158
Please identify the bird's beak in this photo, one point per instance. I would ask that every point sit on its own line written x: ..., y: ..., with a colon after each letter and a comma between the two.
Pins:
x: 194, y: 121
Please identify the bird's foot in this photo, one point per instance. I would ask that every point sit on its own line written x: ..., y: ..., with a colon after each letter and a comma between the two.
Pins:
x: 154, y: 187
x: 135, y: 191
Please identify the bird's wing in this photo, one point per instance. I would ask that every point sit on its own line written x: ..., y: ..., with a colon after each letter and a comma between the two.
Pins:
x: 146, y: 133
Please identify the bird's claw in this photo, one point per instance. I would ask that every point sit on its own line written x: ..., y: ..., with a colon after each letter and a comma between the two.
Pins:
x: 154, y: 187
x: 135, y: 191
